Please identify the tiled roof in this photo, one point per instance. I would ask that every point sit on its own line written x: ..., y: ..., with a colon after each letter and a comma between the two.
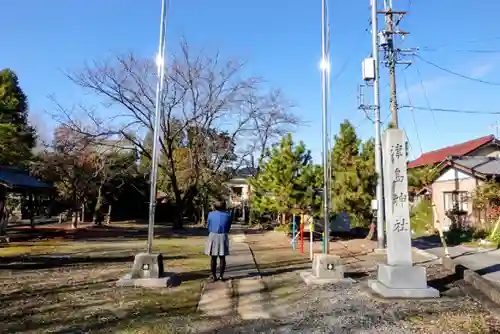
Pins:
x: 488, y: 166
x: 437, y: 156
x: 16, y: 178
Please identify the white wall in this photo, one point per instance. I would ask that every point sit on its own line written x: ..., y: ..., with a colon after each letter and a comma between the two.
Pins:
x: 450, y: 175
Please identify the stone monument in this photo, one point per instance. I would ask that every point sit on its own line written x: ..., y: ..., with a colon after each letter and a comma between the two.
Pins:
x: 398, y: 278
x: 326, y: 268
x: 147, y: 271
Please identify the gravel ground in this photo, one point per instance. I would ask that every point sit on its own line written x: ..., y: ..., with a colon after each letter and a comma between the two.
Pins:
x: 352, y: 309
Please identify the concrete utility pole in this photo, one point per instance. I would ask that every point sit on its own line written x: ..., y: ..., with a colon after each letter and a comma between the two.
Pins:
x: 378, y: 125
x: 391, y: 57
x: 391, y: 53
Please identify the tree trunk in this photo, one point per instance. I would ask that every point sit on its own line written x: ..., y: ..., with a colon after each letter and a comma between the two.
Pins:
x: 97, y: 207
x: 74, y: 219
x: 3, y: 217
x: 82, y: 214
x: 108, y: 218
x: 203, y: 214
x: 31, y: 210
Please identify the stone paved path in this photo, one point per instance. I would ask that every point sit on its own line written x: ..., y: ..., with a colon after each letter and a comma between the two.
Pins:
x: 243, y: 292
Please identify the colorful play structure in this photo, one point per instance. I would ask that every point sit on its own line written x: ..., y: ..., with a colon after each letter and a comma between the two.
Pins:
x: 300, y: 225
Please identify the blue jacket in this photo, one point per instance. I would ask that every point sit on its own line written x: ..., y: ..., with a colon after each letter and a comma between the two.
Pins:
x: 219, y: 222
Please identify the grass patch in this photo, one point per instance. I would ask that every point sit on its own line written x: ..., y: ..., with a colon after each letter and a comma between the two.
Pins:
x: 70, y: 286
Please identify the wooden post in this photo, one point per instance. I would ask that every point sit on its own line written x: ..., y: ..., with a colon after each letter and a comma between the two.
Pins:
x: 31, y: 210
x: 302, y: 234
x: 311, y: 237
x: 440, y: 230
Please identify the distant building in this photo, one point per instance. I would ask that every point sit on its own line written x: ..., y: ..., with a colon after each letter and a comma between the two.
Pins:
x: 240, y: 192
x: 459, y: 170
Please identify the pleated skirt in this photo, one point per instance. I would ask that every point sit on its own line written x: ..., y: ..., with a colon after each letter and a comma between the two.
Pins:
x: 217, y: 244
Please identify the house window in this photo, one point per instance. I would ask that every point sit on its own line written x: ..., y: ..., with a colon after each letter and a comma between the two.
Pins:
x: 456, y: 200
x: 238, y: 191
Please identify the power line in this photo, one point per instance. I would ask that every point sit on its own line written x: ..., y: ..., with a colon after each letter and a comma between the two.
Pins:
x: 458, y: 74
x: 468, y: 42
x: 412, y: 113
x: 457, y: 111
x: 427, y: 102
x: 426, y: 49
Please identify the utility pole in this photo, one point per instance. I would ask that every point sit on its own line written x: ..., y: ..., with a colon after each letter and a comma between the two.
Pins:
x: 378, y: 142
x: 391, y: 53
x: 391, y: 58
x: 496, y: 127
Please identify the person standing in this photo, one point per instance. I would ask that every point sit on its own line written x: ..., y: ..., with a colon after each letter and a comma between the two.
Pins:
x: 217, y: 246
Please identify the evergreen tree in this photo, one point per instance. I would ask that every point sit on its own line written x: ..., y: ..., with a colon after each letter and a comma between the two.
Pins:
x: 17, y: 137
x: 354, y: 177
x: 287, y: 180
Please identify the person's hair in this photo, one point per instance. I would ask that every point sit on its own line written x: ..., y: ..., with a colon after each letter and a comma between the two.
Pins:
x: 220, y: 205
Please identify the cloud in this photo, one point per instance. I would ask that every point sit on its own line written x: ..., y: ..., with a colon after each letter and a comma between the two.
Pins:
x: 418, y: 90
x: 482, y: 70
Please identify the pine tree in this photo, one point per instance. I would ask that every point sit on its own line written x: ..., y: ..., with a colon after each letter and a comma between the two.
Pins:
x: 17, y: 137
x: 354, y: 177
x: 287, y: 180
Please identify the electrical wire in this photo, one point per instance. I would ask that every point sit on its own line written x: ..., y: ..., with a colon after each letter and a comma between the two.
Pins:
x: 412, y: 113
x: 468, y: 42
x: 457, y: 111
x: 427, y: 102
x: 458, y: 74
x: 427, y: 49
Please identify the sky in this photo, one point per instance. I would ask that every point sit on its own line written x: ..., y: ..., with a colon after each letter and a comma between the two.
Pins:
x: 281, y: 41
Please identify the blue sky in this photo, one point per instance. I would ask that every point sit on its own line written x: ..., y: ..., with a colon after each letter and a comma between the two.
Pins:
x: 280, y: 39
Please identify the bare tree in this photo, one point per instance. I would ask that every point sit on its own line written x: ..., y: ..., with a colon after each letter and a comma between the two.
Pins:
x: 70, y: 164
x: 212, y: 115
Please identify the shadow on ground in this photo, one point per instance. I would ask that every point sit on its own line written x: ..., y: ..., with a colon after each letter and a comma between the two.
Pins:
x: 58, y: 261
x: 104, y: 233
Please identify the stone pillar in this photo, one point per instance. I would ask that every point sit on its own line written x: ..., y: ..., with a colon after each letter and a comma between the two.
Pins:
x: 398, y: 278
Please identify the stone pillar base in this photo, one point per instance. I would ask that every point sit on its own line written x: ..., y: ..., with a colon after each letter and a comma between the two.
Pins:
x: 326, y: 268
x: 147, y: 271
x: 402, y: 282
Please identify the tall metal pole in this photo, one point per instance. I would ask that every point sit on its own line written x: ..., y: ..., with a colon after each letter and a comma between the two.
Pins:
x: 156, y: 131
x: 378, y: 125
x: 324, y: 69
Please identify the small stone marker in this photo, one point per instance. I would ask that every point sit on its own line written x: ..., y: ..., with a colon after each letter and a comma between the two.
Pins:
x: 398, y: 278
x: 326, y: 268
x: 147, y: 271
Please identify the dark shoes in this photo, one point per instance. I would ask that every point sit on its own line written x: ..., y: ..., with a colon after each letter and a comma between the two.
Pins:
x: 213, y: 279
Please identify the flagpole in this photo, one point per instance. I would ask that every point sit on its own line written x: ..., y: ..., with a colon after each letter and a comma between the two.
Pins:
x: 324, y: 84
x: 160, y: 62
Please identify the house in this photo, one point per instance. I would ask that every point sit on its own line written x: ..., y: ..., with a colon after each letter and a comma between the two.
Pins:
x: 484, y: 146
x: 459, y: 170
x: 456, y: 180
x: 239, y: 187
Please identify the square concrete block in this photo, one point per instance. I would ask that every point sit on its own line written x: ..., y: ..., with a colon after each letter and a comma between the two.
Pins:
x: 147, y: 271
x: 387, y: 292
x: 147, y: 266
x: 402, y: 277
x: 310, y: 279
x: 402, y: 282
x: 160, y: 282
x: 327, y: 266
